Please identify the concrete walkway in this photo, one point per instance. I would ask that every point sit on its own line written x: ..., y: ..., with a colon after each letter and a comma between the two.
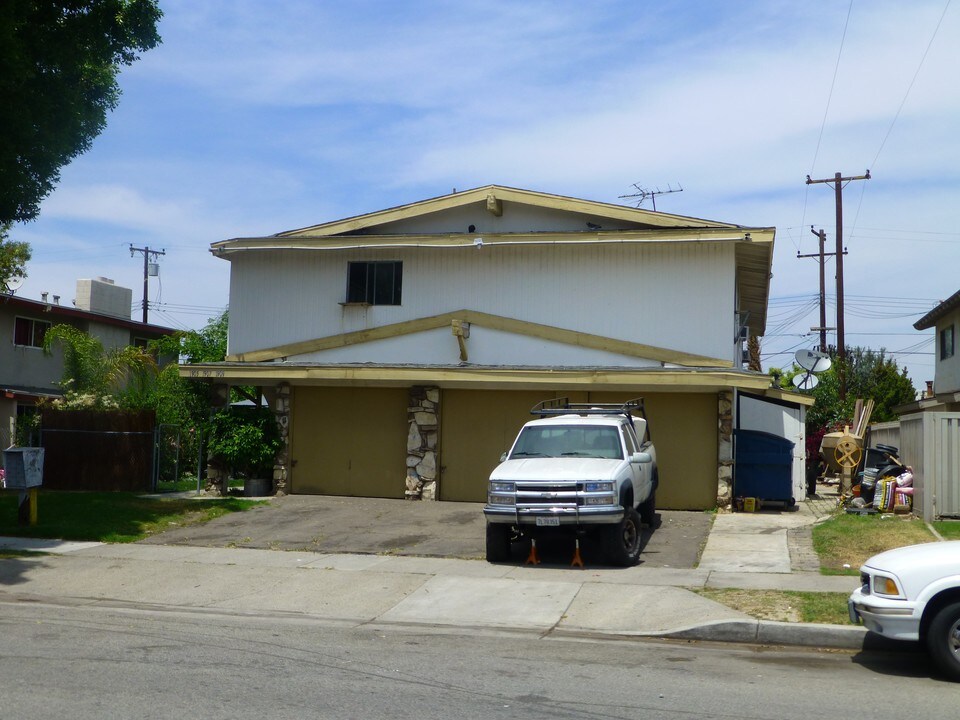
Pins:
x: 743, y: 550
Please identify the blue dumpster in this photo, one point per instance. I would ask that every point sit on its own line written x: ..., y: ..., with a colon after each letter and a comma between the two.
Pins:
x: 763, y: 466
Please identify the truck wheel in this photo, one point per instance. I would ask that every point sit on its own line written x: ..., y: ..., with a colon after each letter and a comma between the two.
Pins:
x: 621, y: 542
x: 943, y: 640
x: 648, y: 510
x: 498, y: 542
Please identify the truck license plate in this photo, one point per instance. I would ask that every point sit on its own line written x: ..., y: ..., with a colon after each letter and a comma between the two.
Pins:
x: 548, y: 521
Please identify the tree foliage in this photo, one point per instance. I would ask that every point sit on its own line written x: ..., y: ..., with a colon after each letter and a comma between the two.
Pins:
x: 870, y: 374
x: 99, y: 378
x: 14, y: 257
x: 198, y: 346
x: 59, y: 62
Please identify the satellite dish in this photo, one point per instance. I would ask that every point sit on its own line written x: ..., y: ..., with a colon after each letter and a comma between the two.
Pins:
x: 805, y: 381
x: 12, y: 285
x: 813, y: 361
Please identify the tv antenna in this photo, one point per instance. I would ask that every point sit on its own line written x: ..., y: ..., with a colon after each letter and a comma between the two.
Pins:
x: 813, y: 362
x: 642, y: 194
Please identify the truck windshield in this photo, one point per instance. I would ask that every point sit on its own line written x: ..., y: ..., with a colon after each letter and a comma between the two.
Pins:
x: 596, y: 441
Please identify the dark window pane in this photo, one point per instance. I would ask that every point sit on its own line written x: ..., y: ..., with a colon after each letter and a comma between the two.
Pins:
x: 356, y: 282
x: 21, y: 331
x: 383, y: 284
x: 39, y: 332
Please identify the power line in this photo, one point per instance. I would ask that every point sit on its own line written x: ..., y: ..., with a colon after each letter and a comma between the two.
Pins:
x: 912, y: 81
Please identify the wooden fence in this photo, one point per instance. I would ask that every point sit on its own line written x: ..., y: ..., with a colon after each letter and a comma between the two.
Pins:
x: 98, y: 450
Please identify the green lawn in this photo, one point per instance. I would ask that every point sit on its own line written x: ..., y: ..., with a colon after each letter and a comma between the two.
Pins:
x: 949, y: 529
x: 844, y: 541
x: 111, y: 517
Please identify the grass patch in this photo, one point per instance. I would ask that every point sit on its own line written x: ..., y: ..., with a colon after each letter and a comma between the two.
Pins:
x: 111, y: 517
x: 844, y: 541
x: 950, y: 529
x: 784, y: 605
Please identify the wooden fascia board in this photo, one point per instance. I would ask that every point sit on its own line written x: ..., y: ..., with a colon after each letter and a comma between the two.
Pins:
x: 478, y: 377
x: 461, y: 240
x: 788, y: 396
x: 492, y: 322
x: 492, y: 195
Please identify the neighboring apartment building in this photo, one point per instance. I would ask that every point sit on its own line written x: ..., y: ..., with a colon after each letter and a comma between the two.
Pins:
x: 403, y: 349
x: 945, y: 317
x: 101, y: 309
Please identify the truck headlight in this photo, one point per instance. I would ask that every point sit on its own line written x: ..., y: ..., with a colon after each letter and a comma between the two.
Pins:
x: 502, y: 487
x: 599, y: 500
x: 501, y: 500
x: 598, y: 486
x: 886, y: 585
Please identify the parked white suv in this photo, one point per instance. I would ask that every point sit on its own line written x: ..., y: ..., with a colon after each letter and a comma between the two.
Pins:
x: 581, y: 469
x: 913, y: 593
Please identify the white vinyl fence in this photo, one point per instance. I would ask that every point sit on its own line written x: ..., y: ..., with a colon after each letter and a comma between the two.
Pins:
x: 930, y: 444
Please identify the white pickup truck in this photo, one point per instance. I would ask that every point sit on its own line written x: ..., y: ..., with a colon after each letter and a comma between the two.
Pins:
x: 913, y: 593
x: 581, y: 469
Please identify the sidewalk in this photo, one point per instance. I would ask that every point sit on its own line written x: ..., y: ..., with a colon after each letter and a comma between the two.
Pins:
x: 743, y: 550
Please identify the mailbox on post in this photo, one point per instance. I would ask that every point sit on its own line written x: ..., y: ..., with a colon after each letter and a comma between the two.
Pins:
x: 23, y: 468
x: 23, y: 471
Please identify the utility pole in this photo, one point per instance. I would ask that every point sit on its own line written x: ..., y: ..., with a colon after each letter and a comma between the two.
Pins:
x: 837, y: 181
x: 147, y: 252
x: 822, y: 235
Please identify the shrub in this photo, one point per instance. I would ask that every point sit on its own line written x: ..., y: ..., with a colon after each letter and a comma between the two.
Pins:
x: 245, y: 441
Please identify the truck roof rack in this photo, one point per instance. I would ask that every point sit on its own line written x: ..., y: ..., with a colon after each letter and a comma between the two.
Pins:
x: 563, y: 406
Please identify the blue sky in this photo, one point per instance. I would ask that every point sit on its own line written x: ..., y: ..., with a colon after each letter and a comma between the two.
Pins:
x: 255, y: 117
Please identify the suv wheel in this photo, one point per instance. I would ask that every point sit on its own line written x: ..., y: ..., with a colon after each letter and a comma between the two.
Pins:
x: 943, y: 640
x: 621, y: 542
x: 498, y: 542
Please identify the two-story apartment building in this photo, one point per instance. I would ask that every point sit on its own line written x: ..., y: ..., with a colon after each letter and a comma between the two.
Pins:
x: 405, y: 347
x: 945, y: 318
x: 101, y: 309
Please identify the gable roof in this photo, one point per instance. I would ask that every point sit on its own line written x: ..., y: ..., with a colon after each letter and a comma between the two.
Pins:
x: 493, y: 195
x: 930, y: 319
x: 754, y: 245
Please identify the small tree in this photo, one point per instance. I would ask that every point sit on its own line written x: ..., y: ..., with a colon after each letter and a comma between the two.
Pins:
x: 245, y: 441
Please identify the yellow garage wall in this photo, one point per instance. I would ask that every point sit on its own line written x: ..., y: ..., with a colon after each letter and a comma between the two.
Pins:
x: 349, y: 441
x: 476, y: 427
x: 684, y: 429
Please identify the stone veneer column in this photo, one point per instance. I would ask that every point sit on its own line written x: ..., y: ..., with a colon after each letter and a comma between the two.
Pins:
x: 423, y: 415
x: 725, y: 449
x: 281, y: 464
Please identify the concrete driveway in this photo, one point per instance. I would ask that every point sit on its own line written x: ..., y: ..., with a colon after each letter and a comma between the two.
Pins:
x: 378, y: 526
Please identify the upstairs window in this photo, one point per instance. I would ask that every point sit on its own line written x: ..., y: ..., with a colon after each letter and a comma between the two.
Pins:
x: 28, y: 332
x: 946, y: 343
x: 374, y: 283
